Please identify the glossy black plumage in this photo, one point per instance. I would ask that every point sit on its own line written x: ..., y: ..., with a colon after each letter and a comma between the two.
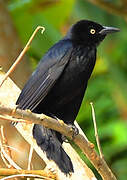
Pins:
x: 57, y: 86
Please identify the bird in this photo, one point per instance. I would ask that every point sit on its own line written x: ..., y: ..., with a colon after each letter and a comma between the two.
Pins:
x: 57, y: 87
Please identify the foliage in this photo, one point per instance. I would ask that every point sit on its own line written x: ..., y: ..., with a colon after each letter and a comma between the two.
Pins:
x: 107, y: 87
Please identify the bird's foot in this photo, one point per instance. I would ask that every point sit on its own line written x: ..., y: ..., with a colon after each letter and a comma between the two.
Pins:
x: 75, y: 130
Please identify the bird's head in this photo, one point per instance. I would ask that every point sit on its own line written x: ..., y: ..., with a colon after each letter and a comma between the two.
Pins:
x: 89, y: 32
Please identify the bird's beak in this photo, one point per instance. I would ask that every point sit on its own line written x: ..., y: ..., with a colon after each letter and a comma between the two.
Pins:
x: 107, y: 30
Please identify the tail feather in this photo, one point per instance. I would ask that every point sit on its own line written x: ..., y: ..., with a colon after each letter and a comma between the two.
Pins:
x: 50, y: 142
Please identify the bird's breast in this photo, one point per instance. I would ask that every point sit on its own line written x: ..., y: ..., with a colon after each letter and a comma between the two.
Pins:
x: 80, y: 65
x: 76, y: 73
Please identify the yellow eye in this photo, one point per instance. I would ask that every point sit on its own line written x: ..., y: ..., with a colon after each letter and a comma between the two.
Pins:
x: 92, y: 31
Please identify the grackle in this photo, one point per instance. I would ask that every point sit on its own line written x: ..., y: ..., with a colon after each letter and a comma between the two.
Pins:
x: 57, y: 86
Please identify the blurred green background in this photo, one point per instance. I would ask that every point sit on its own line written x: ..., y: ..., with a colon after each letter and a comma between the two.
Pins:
x: 107, y: 88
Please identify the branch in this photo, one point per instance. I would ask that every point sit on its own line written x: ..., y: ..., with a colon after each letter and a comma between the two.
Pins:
x: 60, y: 126
x: 113, y: 9
x: 36, y: 173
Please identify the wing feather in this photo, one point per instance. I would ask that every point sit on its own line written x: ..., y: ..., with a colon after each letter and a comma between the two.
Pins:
x: 42, y: 80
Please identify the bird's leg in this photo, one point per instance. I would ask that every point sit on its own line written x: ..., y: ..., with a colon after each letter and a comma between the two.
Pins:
x: 72, y: 126
x: 64, y: 138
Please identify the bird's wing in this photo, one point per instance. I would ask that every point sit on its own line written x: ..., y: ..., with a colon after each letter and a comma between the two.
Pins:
x: 48, y: 71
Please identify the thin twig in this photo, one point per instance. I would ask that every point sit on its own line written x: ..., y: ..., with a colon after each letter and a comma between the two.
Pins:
x: 8, y: 158
x: 10, y: 147
x: 12, y: 163
x: 30, y: 157
x: 26, y: 175
x: 96, y: 131
x: 5, y: 142
x: 4, y: 160
x: 19, y: 58
x: 2, y: 147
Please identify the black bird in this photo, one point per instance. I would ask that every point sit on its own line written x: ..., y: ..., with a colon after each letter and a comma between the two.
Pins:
x: 56, y: 88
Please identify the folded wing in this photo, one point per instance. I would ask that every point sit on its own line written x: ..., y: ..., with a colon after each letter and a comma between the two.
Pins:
x: 45, y: 76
